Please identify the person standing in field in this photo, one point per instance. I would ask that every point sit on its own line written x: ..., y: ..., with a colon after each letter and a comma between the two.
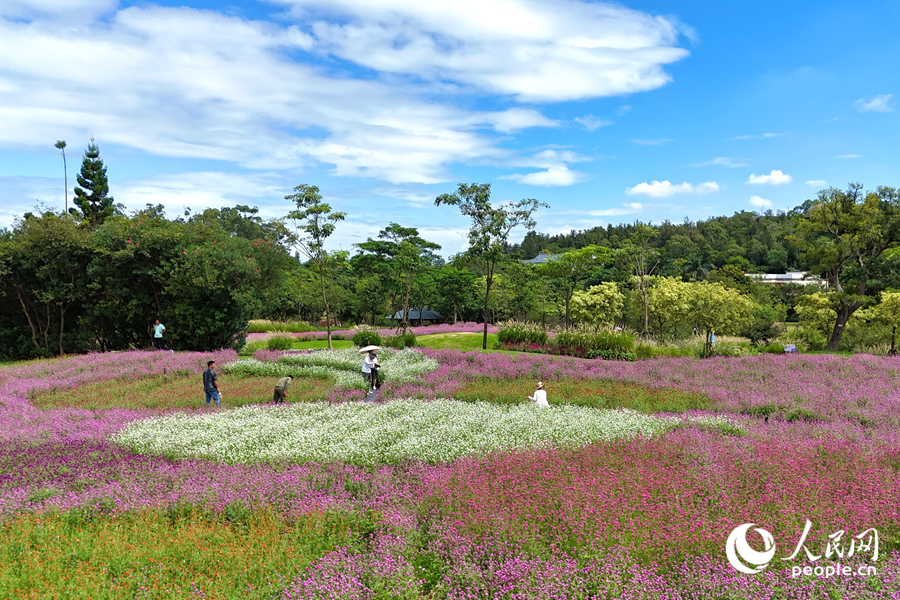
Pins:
x: 370, y: 369
x: 210, y: 384
x: 281, y: 389
x: 540, y: 396
x: 158, y: 329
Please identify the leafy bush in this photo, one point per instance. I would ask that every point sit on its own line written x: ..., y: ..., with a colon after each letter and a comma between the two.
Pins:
x: 612, y: 355
x: 772, y: 349
x: 521, y: 332
x: 365, y: 336
x: 263, y: 326
x: 250, y: 347
x: 400, y: 341
x: 594, y: 338
x: 280, y: 342
x: 654, y: 350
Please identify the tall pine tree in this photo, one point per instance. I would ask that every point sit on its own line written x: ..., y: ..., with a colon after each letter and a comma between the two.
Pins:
x: 94, y: 200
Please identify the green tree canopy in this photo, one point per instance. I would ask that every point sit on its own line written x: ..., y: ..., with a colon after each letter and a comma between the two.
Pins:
x: 93, y: 198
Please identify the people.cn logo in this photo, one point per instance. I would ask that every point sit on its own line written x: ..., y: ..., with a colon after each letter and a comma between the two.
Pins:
x: 739, y: 551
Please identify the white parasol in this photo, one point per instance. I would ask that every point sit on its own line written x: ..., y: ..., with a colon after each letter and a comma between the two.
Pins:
x: 369, y: 349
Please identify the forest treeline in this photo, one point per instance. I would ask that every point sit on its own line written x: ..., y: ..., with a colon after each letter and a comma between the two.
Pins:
x: 95, y: 278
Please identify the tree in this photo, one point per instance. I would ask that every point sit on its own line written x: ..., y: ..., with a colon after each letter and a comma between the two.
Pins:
x: 887, y: 313
x: 842, y: 236
x: 599, y: 304
x: 407, y: 255
x: 669, y: 302
x: 569, y: 269
x: 456, y: 290
x: 61, y: 145
x: 642, y: 259
x: 44, y: 277
x: 817, y: 316
x: 715, y: 308
x: 315, y: 222
x: 94, y: 200
x: 490, y: 229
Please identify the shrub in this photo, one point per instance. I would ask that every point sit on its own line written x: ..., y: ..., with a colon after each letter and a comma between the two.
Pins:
x: 400, y: 341
x: 365, y: 338
x: 595, y: 338
x: 521, y: 332
x: 280, y: 342
x: 250, y: 347
x: 772, y: 349
x: 263, y: 326
x: 612, y: 355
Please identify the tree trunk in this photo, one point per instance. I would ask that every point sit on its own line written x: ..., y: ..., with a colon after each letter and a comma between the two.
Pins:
x: 406, y: 306
x: 62, y: 321
x: 30, y: 322
x: 646, y: 332
x: 325, y: 301
x: 487, y: 293
x: 843, y: 316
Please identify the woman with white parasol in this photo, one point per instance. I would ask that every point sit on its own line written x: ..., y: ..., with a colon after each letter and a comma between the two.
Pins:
x: 370, y: 366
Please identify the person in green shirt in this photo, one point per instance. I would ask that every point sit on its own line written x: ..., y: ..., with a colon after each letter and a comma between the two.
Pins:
x: 158, y: 329
x: 281, y: 389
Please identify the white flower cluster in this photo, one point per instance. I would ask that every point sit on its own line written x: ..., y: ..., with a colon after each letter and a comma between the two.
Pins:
x: 371, y: 434
x: 344, y: 366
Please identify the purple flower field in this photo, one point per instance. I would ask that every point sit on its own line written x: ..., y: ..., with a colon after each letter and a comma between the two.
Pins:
x: 629, y: 519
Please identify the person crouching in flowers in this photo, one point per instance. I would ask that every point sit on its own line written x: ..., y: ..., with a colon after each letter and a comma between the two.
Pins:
x: 281, y: 389
x: 540, y: 396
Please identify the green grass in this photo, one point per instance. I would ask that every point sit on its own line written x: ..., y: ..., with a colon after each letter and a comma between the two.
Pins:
x: 457, y: 341
x: 318, y: 344
x: 161, y: 554
x: 179, y: 392
x: 603, y: 393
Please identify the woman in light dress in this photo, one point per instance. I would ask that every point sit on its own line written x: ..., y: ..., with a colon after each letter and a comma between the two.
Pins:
x: 540, y: 396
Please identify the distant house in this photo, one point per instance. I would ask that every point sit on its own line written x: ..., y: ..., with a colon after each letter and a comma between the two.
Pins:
x: 540, y: 259
x: 426, y: 315
x: 798, y: 277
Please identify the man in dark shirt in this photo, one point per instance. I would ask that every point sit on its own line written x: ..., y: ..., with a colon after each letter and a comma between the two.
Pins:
x: 210, y: 385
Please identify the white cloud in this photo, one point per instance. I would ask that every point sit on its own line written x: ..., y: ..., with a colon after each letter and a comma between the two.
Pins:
x: 849, y: 156
x: 532, y: 49
x: 756, y: 136
x: 817, y: 182
x: 662, y: 189
x: 760, y: 202
x: 658, y: 142
x: 724, y: 161
x: 200, y: 190
x: 627, y: 209
x: 591, y: 123
x: 552, y: 177
x: 774, y: 178
x: 880, y: 103
x: 186, y: 83
x: 515, y: 119
x: 624, y: 109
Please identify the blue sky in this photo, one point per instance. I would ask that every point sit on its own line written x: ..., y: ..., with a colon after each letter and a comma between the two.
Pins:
x: 646, y: 110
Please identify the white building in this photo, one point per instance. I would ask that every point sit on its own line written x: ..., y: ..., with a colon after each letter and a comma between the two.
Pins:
x: 799, y: 277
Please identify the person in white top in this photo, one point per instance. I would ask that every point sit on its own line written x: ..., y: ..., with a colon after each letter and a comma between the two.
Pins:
x: 540, y: 396
x: 370, y: 369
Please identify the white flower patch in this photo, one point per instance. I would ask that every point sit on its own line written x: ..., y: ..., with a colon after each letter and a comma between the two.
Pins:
x: 372, y: 434
x: 344, y: 366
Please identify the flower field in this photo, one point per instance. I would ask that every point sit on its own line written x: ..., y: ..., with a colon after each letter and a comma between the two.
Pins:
x: 114, y: 484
